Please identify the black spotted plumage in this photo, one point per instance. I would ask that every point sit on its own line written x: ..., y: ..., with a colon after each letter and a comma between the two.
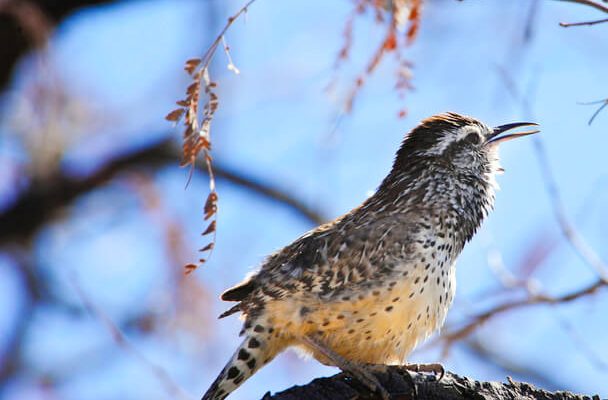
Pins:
x: 366, y: 287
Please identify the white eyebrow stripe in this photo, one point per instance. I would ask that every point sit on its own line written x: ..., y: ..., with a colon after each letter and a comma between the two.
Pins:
x: 457, y: 135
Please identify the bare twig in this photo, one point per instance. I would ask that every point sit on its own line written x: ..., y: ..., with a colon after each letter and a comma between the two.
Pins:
x: 10, y: 361
x: 589, y: 3
x: 603, y: 104
x: 451, y: 336
x: 119, y: 338
x: 581, y: 345
x: 578, y: 243
x: 588, y: 23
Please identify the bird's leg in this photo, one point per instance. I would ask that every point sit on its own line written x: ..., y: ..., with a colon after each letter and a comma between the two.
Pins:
x: 434, y: 368
x: 355, y: 370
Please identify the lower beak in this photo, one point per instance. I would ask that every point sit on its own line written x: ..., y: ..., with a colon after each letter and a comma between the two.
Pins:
x: 494, y: 137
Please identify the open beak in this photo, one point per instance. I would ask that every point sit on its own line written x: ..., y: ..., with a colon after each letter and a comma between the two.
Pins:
x: 495, y: 137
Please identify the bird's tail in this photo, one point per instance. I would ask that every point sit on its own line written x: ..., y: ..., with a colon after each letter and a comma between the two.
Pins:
x: 253, y: 353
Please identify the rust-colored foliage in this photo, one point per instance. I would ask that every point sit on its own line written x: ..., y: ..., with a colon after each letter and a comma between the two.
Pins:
x: 404, y: 14
x: 196, y: 136
x: 197, y: 122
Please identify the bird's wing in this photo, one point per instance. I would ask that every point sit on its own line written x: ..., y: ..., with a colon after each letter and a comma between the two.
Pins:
x: 323, y: 261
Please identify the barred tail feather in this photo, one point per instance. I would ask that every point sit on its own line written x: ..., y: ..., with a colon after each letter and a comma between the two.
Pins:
x: 252, y: 354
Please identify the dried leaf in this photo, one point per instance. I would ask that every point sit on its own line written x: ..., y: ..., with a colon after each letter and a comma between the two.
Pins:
x: 210, y: 229
x: 191, y: 65
x: 414, y: 19
x: 192, y: 88
x: 190, y: 268
x: 175, y: 115
x: 210, y: 205
x: 390, y: 43
x: 210, y: 246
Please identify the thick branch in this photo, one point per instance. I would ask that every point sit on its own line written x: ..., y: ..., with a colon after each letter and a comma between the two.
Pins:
x: 399, y: 385
x: 40, y: 202
x: 24, y: 24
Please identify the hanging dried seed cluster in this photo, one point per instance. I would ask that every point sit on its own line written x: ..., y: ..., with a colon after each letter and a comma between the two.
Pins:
x: 197, y: 139
x: 197, y: 132
x: 402, y: 14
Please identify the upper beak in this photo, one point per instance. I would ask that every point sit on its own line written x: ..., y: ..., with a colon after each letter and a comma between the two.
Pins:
x: 495, y: 138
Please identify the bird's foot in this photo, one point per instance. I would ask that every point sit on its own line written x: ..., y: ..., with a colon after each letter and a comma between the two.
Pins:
x: 434, y: 368
x: 366, y: 376
x: 358, y: 371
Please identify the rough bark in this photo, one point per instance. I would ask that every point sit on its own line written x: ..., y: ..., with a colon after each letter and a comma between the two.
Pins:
x: 399, y: 384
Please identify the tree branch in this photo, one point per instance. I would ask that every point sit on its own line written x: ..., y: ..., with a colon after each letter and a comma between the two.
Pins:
x: 399, y: 384
x: 589, y: 3
x: 39, y: 203
x: 467, y: 329
x: 588, y: 23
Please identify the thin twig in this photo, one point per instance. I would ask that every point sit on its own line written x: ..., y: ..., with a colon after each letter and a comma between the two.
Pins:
x: 580, y: 344
x: 582, y: 248
x: 478, y: 320
x: 208, y: 56
x: 578, y: 243
x: 589, y: 3
x: 119, y: 338
x: 603, y: 105
x: 589, y: 23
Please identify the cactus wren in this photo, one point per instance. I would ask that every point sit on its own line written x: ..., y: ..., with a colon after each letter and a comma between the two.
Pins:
x: 368, y: 286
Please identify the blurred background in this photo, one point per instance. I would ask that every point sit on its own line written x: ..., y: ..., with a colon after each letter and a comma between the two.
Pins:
x: 96, y: 224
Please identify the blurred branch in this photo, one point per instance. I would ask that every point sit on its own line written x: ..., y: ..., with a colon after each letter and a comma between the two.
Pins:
x: 402, y: 384
x: 603, y: 104
x: 578, y: 243
x: 267, y: 190
x: 39, y: 203
x: 569, y: 24
x: 13, y: 342
x: 589, y: 3
x: 27, y: 23
x: 171, y: 386
x: 586, y: 349
x: 582, y: 248
x: 450, y: 336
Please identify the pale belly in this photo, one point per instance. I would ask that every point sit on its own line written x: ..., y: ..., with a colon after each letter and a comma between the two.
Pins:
x: 382, y: 325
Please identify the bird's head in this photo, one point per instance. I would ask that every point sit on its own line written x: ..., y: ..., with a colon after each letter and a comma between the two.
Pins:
x: 456, y: 143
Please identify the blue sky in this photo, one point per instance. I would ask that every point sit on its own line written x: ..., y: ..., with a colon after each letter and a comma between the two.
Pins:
x: 122, y: 64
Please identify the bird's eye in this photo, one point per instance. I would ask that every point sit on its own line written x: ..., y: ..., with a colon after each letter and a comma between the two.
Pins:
x: 472, y: 138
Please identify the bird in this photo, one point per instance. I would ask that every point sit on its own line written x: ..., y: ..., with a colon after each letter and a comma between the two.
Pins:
x: 367, y: 287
